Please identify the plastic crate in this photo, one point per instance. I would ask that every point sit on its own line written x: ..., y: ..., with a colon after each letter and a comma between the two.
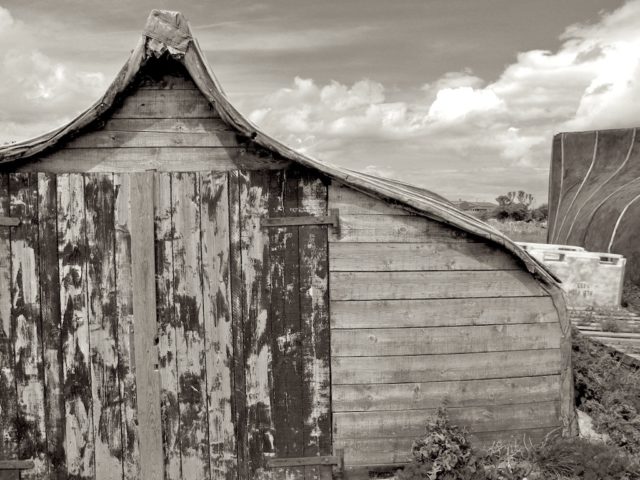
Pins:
x: 589, y: 279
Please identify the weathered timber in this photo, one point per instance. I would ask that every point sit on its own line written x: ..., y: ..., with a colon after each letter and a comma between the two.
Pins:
x: 465, y: 366
x: 191, y: 126
x: 126, y: 327
x: 353, y: 202
x: 8, y: 396
x: 167, y: 321
x: 26, y: 324
x: 143, y: 159
x: 412, y: 396
x: 423, y: 285
x: 477, y: 419
x: 285, y: 319
x: 239, y: 396
x: 419, y: 256
x: 394, y: 229
x: 73, y: 258
x: 111, y: 139
x: 218, y: 348
x: 438, y: 340
x: 165, y: 104
x: 190, y: 335
x: 447, y: 312
x: 51, y: 327
x: 254, y: 197
x: 150, y: 444
x: 103, y: 325
x: 314, y: 308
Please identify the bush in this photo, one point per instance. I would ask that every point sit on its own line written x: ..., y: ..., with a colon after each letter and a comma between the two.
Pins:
x: 443, y: 453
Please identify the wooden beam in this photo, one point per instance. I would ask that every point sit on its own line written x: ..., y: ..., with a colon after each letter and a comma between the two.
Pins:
x: 9, y: 222
x: 145, y: 329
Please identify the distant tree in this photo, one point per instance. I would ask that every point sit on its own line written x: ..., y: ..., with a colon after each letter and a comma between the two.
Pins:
x: 514, y: 205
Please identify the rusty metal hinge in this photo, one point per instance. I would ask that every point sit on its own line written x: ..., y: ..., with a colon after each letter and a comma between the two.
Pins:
x: 331, y: 219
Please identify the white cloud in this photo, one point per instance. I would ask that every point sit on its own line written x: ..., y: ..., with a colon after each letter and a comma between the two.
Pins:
x: 461, y: 123
x: 456, y: 103
x: 37, y: 92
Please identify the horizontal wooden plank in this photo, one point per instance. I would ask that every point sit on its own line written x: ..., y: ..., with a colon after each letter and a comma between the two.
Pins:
x: 442, y: 284
x: 168, y: 125
x: 441, y: 312
x: 362, y: 257
x: 389, y: 451
x: 403, y: 423
x: 184, y: 159
x: 16, y: 464
x: 127, y: 138
x: 412, y: 396
x: 394, y: 228
x: 165, y: 104
x: 435, y: 368
x: 436, y: 340
x: 302, y: 461
x: 353, y: 202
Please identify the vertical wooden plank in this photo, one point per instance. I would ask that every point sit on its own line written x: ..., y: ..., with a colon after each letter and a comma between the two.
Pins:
x: 216, y: 285
x: 284, y: 317
x: 239, y: 401
x: 8, y: 397
x: 145, y: 325
x: 72, y: 258
x: 170, y: 412
x: 26, y: 324
x: 314, y: 308
x: 51, y: 331
x: 103, y: 324
x: 124, y: 305
x: 190, y: 336
x: 254, y: 194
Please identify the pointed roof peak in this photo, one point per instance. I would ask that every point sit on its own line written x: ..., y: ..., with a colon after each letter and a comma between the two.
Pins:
x: 167, y: 31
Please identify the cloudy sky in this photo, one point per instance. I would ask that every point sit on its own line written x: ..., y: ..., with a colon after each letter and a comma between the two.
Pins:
x: 460, y: 96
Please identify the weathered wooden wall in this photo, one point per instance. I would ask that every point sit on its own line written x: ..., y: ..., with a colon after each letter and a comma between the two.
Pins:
x: 424, y: 315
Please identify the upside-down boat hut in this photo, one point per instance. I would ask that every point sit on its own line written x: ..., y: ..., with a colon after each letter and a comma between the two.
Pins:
x: 184, y: 297
x: 594, y: 188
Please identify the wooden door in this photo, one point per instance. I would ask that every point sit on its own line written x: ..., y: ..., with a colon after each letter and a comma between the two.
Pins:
x: 153, y: 327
